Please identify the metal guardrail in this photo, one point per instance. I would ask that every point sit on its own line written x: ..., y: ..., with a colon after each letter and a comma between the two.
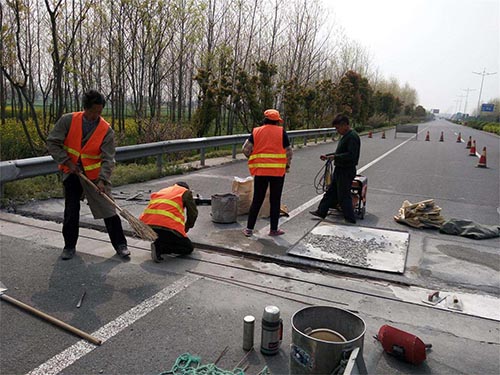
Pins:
x: 12, y: 170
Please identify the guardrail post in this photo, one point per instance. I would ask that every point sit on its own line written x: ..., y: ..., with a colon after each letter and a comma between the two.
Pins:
x: 305, y: 140
x: 159, y: 163
x: 202, y: 157
x: 234, y: 151
x: 324, y: 139
x: 315, y: 139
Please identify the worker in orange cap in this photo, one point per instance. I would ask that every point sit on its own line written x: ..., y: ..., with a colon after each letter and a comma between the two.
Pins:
x: 269, y: 157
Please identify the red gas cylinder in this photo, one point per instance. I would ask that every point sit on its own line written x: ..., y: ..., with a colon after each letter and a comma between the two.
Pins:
x: 402, y: 344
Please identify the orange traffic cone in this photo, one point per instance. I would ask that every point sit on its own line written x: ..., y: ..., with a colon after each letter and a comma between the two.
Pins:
x: 482, y: 159
x: 472, y: 151
x: 383, y: 134
x: 459, y: 138
x: 469, y: 142
x: 427, y: 136
x: 441, y: 138
x: 370, y: 134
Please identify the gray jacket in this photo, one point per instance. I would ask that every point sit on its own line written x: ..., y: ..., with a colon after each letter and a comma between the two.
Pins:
x: 55, y: 141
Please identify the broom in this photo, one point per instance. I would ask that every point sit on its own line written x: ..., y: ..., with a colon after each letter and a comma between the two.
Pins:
x: 142, y: 230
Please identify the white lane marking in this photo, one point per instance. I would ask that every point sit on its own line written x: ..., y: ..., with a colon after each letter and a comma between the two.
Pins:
x: 316, y: 199
x: 72, y: 354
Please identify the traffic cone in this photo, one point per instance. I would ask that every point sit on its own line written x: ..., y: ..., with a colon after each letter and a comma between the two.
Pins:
x: 482, y: 159
x: 459, y: 138
x: 383, y: 134
x: 469, y: 142
x: 427, y: 136
x: 441, y: 138
x: 370, y: 134
x: 472, y: 151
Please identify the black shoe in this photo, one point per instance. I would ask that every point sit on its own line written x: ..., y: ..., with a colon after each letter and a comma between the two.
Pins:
x: 155, y: 254
x: 350, y: 221
x: 68, y: 253
x: 317, y: 214
x: 123, y: 251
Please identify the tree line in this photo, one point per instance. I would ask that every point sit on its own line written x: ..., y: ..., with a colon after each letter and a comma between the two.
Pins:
x: 186, y: 67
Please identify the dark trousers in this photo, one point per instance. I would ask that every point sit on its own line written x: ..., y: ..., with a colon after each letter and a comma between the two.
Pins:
x: 72, y: 194
x: 260, y: 184
x: 339, y: 192
x: 169, y: 242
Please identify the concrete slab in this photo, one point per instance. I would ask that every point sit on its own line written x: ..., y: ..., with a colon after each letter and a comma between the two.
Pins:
x: 148, y: 314
x: 371, y: 248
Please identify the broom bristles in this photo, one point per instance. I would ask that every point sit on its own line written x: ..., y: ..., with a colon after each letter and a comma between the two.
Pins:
x: 142, y: 230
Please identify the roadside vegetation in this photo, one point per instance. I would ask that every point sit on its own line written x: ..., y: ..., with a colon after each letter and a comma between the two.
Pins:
x: 175, y: 72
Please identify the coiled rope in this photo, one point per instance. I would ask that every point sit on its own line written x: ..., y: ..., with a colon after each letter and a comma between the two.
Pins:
x: 187, y: 364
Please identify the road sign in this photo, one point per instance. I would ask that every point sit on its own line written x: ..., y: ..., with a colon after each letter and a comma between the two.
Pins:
x: 487, y: 107
x: 435, y: 110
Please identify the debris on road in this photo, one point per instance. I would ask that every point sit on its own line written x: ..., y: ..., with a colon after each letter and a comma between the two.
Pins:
x: 424, y: 214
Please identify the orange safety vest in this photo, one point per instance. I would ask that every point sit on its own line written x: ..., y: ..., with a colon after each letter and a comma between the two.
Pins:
x: 268, y: 157
x: 90, y: 153
x: 165, y: 209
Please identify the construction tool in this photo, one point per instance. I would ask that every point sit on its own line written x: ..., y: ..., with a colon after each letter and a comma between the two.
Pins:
x: 79, y: 304
x: 434, y: 298
x: 200, y: 201
x: 47, y: 317
x: 455, y: 304
x: 142, y: 230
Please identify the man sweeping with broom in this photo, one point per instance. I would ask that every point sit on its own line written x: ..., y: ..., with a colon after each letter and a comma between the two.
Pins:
x: 84, y: 143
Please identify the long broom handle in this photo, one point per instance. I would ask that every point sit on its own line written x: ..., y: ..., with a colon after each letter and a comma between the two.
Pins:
x: 104, y: 195
x: 52, y: 320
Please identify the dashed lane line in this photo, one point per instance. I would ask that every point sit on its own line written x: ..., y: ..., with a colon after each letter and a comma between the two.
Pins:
x: 72, y: 354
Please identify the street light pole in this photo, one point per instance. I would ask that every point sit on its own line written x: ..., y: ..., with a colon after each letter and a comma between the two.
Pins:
x: 481, y: 89
x: 466, y: 98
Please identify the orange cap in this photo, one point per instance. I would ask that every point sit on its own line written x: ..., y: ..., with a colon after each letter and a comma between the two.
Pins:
x: 273, y: 115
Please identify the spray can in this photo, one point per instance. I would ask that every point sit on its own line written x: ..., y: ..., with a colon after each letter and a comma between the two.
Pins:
x: 248, y: 331
x: 272, y: 331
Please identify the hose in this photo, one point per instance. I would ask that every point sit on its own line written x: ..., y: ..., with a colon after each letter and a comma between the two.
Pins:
x: 323, y: 178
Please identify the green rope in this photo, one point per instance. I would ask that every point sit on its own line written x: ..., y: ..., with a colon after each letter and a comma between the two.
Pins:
x: 187, y: 364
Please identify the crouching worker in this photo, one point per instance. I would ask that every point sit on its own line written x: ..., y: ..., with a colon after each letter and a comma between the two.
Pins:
x: 171, y: 212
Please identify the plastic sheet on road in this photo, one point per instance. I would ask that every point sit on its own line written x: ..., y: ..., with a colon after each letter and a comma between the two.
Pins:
x: 370, y: 248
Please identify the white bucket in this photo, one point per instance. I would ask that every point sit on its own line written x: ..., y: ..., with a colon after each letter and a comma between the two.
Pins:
x: 224, y: 208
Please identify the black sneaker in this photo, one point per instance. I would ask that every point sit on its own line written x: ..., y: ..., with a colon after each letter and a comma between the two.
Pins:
x: 155, y: 254
x: 123, y: 251
x: 68, y: 253
x: 317, y: 214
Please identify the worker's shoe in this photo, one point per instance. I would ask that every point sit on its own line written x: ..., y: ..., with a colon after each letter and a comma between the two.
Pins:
x: 123, y: 251
x: 317, y: 214
x: 277, y: 232
x: 349, y: 221
x: 68, y: 253
x: 248, y: 232
x: 155, y: 254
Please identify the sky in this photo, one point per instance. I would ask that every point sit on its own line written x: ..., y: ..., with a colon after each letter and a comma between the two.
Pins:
x: 433, y: 45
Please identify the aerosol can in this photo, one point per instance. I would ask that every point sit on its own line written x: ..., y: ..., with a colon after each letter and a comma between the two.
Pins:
x: 272, y: 331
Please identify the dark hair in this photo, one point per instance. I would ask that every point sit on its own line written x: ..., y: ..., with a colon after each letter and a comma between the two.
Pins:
x: 92, y: 97
x: 183, y: 184
x: 270, y: 122
x: 340, y: 120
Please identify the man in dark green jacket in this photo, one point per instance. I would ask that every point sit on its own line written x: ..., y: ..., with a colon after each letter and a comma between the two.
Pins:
x: 345, y: 159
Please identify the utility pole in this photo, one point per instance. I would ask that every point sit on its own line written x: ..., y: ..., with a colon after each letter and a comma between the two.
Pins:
x: 481, y: 89
x: 466, y: 98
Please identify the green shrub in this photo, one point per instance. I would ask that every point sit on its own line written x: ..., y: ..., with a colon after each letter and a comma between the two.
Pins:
x: 492, y: 127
